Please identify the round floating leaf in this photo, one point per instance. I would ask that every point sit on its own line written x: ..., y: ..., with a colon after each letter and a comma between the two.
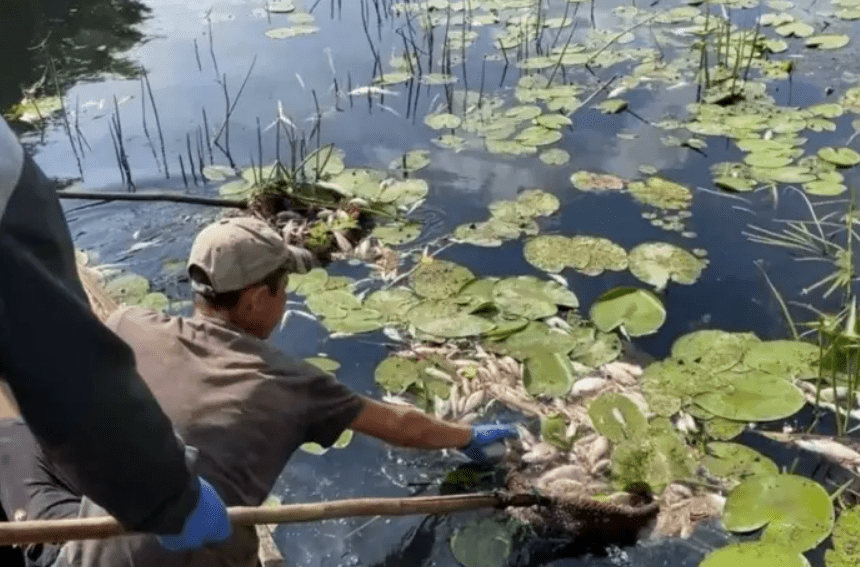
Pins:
x: 404, y: 192
x: 548, y: 374
x: 597, y: 349
x: 721, y: 428
x: 313, y: 448
x: 392, y: 303
x: 447, y: 319
x: 788, y: 359
x: 524, y: 112
x: 535, y: 338
x: 553, y: 121
x: 156, y: 301
x: 529, y: 297
x: 824, y: 188
x: 591, y: 255
x: 656, y: 460
x: 617, y: 418
x: 364, y: 183
x: 715, y: 350
x: 827, y: 41
x: 217, y: 172
x: 797, y: 29
x: 738, y: 184
x: 661, y: 193
x: 323, y: 363
x: 736, y: 462
x: 355, y: 321
x: 794, y: 511
x: 554, y: 156
x: 127, y: 288
x: 636, y: 311
x: 767, y: 160
x: 485, y: 543
x: 550, y: 253
x: 412, y: 161
x: 489, y: 233
x: 612, y: 105
x: 532, y: 203
x: 281, y: 7
x: 538, y: 136
x: 588, y: 181
x: 553, y: 430
x: 752, y: 396
x: 449, y: 141
x: 656, y: 263
x: 332, y: 304
x: 308, y: 283
x: 438, y: 279
x: 397, y: 232
x: 294, y: 31
x: 754, y: 554
x: 846, y: 540
x: 393, y: 78
x: 395, y: 374
x: 237, y: 188
x: 437, y: 79
x: 842, y: 157
x: 443, y: 120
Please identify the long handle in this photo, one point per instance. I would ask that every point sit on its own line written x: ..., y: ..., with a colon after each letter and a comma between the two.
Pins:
x: 45, y: 531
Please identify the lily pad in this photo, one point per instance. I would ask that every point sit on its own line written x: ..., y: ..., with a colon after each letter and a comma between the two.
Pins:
x: 485, y: 543
x: 754, y: 554
x: 397, y: 232
x: 591, y: 255
x: 555, y: 156
x: 293, y: 31
x: 343, y: 440
x: 356, y: 321
x: 612, y: 105
x: 529, y: 297
x: 588, y: 181
x: 661, y: 193
x: 533, y: 203
x: 752, y: 396
x: 489, y: 233
x: 332, y: 304
x: 548, y: 374
x: 656, y: 263
x: 307, y: 283
x: 553, y: 121
x: 156, y: 301
x: 447, y: 319
x: 535, y: 338
x: 395, y: 374
x: 412, y: 161
x: 739, y: 184
x: 617, y: 418
x: 656, y: 460
x: 827, y: 41
x: 217, y: 172
x: 391, y: 303
x: 736, y: 462
x: 797, y: 29
x: 825, y: 188
x: 438, y: 279
x: 538, y: 136
x: 794, y: 511
x: 841, y: 157
x: 550, y: 253
x: 280, y: 7
x: 788, y: 359
x: 323, y: 363
x: 715, y: 350
x: 846, y: 540
x: 127, y: 288
x: 442, y: 121
x: 553, y: 430
x: 636, y: 312
x: 404, y: 192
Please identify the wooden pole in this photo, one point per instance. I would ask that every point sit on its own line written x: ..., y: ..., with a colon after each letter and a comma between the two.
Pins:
x: 45, y: 531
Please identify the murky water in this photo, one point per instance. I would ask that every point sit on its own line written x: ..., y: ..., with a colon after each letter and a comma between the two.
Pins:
x: 185, y: 63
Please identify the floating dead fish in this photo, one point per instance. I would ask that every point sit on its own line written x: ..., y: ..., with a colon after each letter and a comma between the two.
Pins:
x: 543, y: 452
x: 586, y: 386
x: 371, y: 90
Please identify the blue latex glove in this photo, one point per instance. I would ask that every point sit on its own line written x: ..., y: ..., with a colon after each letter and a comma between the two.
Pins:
x: 208, y: 523
x: 484, y: 436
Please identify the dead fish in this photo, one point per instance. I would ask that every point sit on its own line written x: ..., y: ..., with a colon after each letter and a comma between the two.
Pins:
x: 586, y: 386
x: 393, y: 399
x: 371, y: 90
x: 473, y: 401
x: 600, y: 467
x: 597, y: 450
x: 469, y: 417
x: 618, y: 374
x: 541, y: 453
x: 566, y: 472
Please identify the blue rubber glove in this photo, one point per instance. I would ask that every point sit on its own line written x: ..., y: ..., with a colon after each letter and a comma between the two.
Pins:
x: 484, y: 436
x: 208, y: 523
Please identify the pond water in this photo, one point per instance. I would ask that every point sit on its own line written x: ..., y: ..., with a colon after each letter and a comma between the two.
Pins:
x: 193, y: 51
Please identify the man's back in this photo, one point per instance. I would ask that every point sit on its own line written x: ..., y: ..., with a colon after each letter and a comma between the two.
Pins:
x: 241, y: 403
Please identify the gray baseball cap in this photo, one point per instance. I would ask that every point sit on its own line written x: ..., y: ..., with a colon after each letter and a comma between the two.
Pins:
x: 237, y: 252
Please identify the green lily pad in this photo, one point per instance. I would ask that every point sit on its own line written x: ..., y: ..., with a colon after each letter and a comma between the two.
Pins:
x: 661, y: 193
x: 356, y: 321
x: 736, y: 462
x: 752, y: 396
x: 325, y: 162
x: 548, y: 374
x: 412, y: 161
x: 841, y: 157
x: 722, y: 428
x: 825, y: 188
x: 592, y: 255
x: 438, y: 279
x: 754, y: 554
x: 34, y: 110
x: 588, y: 181
x: 323, y: 363
x: 797, y: 29
x: 392, y: 78
x: 553, y: 121
x: 404, y: 192
x: 343, y: 440
x: 715, y: 350
x: 536, y: 337
x: 767, y: 160
x: 549, y: 253
x: 636, y: 311
x: 308, y: 283
x: 449, y: 142
x: 333, y: 304
x: 617, y: 418
x: 656, y: 263
x: 293, y: 31
x: 237, y: 188
x: 442, y: 121
x: 490, y: 233
x: 846, y: 540
x: 313, y: 448
x: 447, y: 319
x: 391, y: 303
x: 530, y: 203
x: 127, y: 288
x: 395, y: 374
x: 656, y: 460
x: 280, y: 7
x: 827, y: 41
x: 538, y: 136
x: 739, y: 184
x: 217, y: 172
x: 554, y: 156
x: 156, y: 301
x: 612, y: 105
x: 553, y: 430
x: 596, y: 348
x: 484, y: 543
x: 363, y: 183
x: 794, y: 511
x: 524, y: 112
x: 788, y: 359
x: 397, y: 232
x: 529, y: 297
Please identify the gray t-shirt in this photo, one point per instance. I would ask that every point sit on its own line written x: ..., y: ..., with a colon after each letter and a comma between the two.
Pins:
x: 243, y: 404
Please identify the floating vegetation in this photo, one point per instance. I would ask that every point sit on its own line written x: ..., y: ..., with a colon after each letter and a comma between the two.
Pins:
x: 660, y: 193
x: 635, y: 312
x: 509, y: 219
x: 35, y: 111
x: 598, y: 182
x: 590, y: 255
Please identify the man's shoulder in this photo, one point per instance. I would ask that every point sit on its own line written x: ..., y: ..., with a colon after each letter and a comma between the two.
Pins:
x: 134, y: 313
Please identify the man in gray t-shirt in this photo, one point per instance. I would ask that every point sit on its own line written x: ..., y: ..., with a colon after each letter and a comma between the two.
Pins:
x: 243, y: 404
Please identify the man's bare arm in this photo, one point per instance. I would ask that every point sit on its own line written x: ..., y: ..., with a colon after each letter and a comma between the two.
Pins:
x: 406, y: 426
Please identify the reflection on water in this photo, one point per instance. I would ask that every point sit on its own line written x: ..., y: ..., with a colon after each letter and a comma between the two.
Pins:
x: 191, y: 68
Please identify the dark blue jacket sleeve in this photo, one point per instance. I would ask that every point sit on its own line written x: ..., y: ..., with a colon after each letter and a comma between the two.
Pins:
x: 75, y: 382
